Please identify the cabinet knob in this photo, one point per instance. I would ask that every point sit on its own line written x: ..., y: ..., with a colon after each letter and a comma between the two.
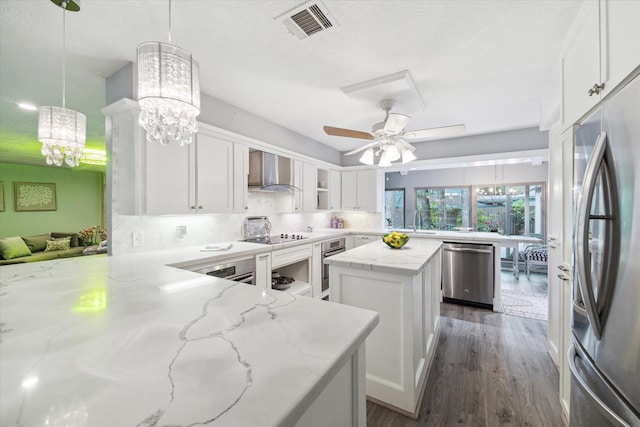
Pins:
x: 193, y: 207
x: 596, y: 89
x: 200, y: 207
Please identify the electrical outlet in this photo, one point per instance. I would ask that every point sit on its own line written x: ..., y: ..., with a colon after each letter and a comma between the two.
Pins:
x: 137, y: 239
x: 181, y: 231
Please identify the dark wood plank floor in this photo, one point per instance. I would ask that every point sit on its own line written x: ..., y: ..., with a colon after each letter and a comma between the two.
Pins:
x: 490, y: 369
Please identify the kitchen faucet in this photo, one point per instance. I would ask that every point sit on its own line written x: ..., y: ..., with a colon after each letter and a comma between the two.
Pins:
x: 416, y: 214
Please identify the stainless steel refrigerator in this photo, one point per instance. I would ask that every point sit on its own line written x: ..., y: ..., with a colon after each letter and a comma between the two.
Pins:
x: 605, y: 354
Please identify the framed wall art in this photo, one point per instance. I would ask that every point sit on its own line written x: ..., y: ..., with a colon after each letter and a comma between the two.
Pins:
x: 35, y: 196
x: 1, y: 196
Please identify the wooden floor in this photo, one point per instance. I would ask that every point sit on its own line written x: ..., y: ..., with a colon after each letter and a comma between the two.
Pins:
x: 490, y: 369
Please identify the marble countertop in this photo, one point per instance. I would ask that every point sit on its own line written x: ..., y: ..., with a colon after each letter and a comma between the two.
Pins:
x: 124, y: 341
x: 377, y: 256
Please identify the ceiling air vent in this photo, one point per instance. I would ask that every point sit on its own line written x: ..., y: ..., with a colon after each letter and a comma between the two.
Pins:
x: 307, y: 19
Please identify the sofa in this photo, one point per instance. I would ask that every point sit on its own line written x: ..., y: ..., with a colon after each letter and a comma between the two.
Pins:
x: 41, y: 247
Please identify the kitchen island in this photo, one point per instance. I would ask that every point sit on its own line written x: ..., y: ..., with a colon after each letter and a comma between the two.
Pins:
x: 124, y: 341
x: 403, y: 286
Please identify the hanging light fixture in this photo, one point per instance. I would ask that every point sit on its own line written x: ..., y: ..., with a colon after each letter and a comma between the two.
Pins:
x: 168, y: 91
x: 61, y: 131
x: 389, y: 150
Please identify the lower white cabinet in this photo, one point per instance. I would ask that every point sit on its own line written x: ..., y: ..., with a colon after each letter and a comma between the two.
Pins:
x: 316, y: 270
x: 263, y: 271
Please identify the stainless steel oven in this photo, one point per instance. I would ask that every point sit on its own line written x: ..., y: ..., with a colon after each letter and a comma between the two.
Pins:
x: 330, y: 248
x: 242, y: 270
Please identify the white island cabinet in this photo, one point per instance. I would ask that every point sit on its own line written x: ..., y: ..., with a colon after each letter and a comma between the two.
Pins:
x: 125, y: 341
x: 403, y: 286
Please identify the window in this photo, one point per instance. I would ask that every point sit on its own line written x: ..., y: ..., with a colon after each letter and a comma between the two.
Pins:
x: 513, y: 210
x: 394, y: 208
x: 443, y: 208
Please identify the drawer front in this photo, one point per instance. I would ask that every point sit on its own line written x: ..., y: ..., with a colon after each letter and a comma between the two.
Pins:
x: 290, y: 256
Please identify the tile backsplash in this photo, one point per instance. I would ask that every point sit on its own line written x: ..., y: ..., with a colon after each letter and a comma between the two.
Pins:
x: 162, y: 232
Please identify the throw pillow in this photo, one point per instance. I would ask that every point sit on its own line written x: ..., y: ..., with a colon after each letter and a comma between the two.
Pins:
x: 74, y: 237
x: 58, y: 244
x: 37, y: 243
x: 13, y: 247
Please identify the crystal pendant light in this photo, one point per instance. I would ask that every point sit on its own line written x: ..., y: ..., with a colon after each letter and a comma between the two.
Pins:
x: 168, y: 91
x: 61, y: 131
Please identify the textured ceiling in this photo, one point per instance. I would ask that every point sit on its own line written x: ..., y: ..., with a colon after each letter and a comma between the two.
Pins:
x: 481, y: 63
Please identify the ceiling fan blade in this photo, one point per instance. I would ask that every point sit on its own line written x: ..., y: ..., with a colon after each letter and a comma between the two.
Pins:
x: 357, y: 150
x: 349, y: 133
x: 435, y: 132
x: 396, y: 122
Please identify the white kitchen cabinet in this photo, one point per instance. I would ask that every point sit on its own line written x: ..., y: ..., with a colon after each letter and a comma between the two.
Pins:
x: 309, y: 187
x: 361, y: 190
x: 329, y: 189
x: 334, y: 190
x: 604, y: 47
x: 316, y: 270
x: 263, y: 271
x: 214, y: 175
x: 240, y: 178
x: 191, y: 179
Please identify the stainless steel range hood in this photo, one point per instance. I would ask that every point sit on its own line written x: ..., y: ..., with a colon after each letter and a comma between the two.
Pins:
x: 269, y: 172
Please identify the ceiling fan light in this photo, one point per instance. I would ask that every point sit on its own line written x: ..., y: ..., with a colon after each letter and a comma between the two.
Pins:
x: 367, y: 157
x: 408, y: 156
x: 392, y: 152
x: 384, y: 160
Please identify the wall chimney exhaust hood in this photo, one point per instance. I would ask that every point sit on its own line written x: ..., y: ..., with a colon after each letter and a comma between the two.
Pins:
x: 269, y: 172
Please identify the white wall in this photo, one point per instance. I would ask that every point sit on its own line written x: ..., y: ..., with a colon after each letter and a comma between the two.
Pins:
x: 160, y: 231
x: 463, y: 176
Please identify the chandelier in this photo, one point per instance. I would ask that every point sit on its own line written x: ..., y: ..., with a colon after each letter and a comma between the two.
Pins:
x: 168, y: 92
x: 389, y: 149
x: 61, y: 131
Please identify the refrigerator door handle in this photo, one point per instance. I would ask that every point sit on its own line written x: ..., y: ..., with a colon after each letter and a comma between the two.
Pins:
x: 589, y: 393
x: 582, y: 234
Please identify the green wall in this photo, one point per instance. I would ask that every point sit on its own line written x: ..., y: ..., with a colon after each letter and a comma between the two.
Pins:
x: 79, y: 194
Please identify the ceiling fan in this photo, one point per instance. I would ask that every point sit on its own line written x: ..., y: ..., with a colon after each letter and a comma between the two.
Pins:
x: 389, y: 137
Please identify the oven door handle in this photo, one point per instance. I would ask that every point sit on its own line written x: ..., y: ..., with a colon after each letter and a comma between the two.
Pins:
x: 332, y: 252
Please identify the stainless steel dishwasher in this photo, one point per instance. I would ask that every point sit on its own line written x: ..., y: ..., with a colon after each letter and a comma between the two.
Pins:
x: 467, y: 273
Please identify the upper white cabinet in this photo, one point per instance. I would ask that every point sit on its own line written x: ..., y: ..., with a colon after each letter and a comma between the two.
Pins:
x: 328, y: 189
x: 207, y: 176
x: 622, y: 43
x: 361, y: 190
x: 240, y: 178
x: 603, y: 48
x: 309, y: 187
x: 335, y: 190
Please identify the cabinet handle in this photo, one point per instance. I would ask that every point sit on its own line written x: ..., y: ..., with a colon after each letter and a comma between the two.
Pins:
x: 200, y: 207
x: 263, y: 256
x: 564, y: 268
x: 246, y: 208
x: 193, y: 207
x: 563, y: 277
x: 596, y: 89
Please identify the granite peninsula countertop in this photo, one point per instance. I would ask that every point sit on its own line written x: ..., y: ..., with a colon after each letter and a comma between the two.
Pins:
x: 126, y: 341
x: 377, y: 256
